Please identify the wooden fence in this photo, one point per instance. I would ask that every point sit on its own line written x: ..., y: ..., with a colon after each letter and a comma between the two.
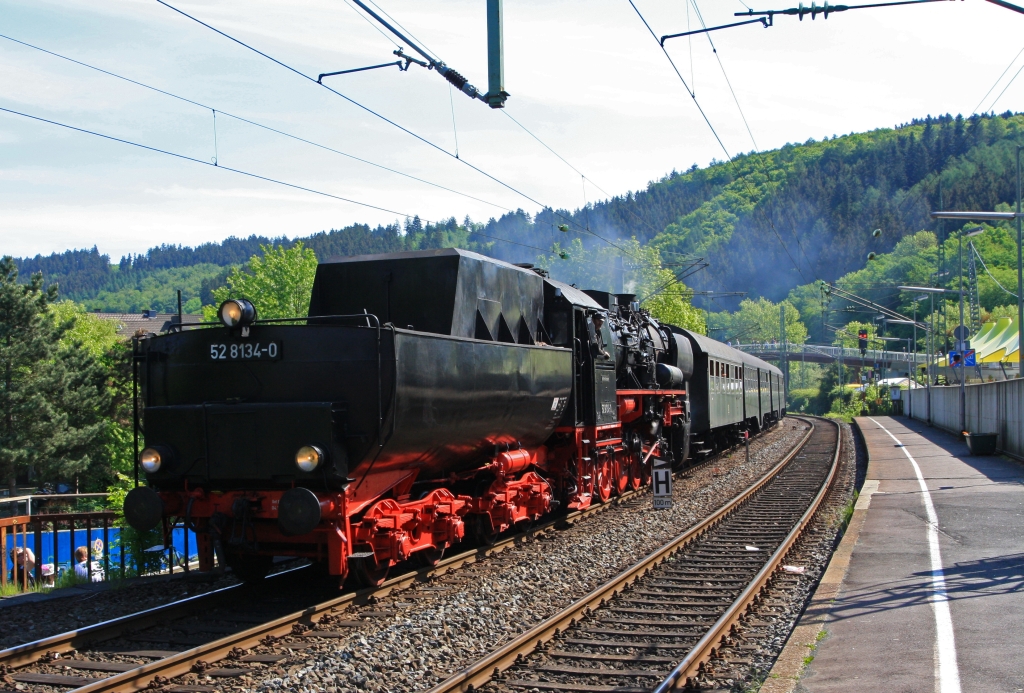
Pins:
x: 31, y: 528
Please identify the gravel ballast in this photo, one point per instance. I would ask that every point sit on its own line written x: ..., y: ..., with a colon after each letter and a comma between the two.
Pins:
x: 415, y: 638
x: 72, y: 608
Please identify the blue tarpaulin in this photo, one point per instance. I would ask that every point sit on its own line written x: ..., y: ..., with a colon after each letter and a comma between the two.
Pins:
x: 66, y: 546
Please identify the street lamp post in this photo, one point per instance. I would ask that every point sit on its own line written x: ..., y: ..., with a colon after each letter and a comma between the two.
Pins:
x: 960, y: 338
x: 911, y: 350
x: 1020, y: 275
x: 930, y: 291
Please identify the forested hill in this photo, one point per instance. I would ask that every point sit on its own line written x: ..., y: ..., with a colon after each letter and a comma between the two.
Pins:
x: 766, y: 222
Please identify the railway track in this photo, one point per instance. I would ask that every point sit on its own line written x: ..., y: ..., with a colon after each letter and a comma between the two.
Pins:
x: 665, y: 622
x: 155, y: 645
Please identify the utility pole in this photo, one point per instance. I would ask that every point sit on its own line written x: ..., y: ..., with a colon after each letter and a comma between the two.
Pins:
x: 496, y: 93
x: 783, y: 355
x: 959, y: 342
x: 931, y: 357
x: 1020, y: 279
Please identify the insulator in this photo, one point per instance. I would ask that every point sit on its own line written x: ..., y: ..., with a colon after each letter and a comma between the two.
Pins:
x: 454, y: 77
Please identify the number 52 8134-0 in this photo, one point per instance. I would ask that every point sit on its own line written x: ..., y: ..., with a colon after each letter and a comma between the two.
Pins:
x: 245, y: 351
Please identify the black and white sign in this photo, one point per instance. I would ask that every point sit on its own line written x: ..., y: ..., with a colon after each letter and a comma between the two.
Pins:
x: 661, y: 485
x: 246, y: 351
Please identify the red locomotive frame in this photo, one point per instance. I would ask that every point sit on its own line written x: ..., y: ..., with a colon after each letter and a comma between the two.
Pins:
x: 377, y: 524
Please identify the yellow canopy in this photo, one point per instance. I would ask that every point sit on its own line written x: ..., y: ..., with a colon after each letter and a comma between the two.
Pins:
x: 987, y: 331
x: 994, y: 357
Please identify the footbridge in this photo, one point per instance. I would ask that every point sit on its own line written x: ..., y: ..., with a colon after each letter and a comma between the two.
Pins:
x: 899, y: 361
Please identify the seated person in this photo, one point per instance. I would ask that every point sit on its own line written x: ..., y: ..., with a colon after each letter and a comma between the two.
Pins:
x: 82, y: 566
x: 24, y: 564
x: 48, y: 574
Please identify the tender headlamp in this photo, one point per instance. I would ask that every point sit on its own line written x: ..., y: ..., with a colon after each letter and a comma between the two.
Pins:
x: 151, y: 459
x: 308, y: 458
x: 237, y: 312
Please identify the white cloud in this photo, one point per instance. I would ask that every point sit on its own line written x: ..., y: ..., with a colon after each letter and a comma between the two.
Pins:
x: 585, y: 77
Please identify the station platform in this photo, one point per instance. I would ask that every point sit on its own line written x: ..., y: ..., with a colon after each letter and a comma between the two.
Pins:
x: 926, y: 590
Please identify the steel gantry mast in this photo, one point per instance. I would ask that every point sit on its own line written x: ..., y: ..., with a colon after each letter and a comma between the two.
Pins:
x: 496, y: 94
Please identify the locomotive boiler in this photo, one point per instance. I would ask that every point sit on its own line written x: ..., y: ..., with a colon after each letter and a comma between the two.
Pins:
x: 428, y: 396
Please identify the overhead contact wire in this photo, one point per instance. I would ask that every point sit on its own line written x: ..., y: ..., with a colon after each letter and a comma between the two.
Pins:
x: 994, y: 84
x: 679, y: 75
x: 185, y: 157
x: 411, y: 35
x: 585, y: 178
x: 757, y: 149
x: 706, y: 120
x: 256, y: 124
x: 365, y: 108
x: 377, y: 28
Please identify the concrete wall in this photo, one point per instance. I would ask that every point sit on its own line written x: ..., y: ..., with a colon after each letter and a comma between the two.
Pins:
x: 989, y: 408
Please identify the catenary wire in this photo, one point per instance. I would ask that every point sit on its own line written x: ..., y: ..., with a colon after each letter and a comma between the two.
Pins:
x: 757, y: 149
x: 368, y: 110
x: 989, y: 272
x: 999, y: 79
x: 249, y: 174
x: 254, y: 123
x: 992, y: 105
x: 564, y: 161
x: 455, y: 129
x: 681, y: 79
x: 706, y: 120
x: 374, y: 25
x: 407, y: 32
x: 185, y: 157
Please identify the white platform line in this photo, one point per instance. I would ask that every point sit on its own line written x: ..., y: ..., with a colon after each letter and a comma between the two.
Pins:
x: 947, y: 672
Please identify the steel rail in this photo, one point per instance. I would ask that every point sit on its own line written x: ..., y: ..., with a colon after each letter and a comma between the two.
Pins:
x: 214, y: 651
x: 705, y: 649
x: 29, y: 653
x: 139, y: 678
x: 483, y: 670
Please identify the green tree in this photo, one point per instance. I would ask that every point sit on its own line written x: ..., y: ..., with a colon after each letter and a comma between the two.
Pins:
x: 758, y: 321
x: 848, y: 336
x: 52, y: 394
x: 279, y: 283
x: 94, y: 334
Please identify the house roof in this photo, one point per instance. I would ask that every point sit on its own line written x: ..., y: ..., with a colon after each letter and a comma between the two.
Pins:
x: 129, y: 324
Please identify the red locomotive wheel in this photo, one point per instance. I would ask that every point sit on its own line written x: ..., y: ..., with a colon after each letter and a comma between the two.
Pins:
x: 636, y: 480
x: 605, y: 478
x: 621, y: 468
x: 251, y: 568
x: 367, y: 573
x: 428, y: 558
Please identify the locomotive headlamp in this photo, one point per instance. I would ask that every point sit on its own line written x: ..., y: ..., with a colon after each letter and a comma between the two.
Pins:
x: 151, y: 459
x: 308, y: 458
x: 237, y: 312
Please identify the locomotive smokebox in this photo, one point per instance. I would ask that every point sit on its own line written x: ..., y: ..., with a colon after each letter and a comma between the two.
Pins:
x: 298, y: 512
x: 143, y: 508
x: 670, y: 377
x: 682, y: 354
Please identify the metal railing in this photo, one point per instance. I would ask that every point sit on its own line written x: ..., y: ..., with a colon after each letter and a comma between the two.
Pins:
x: 11, y: 506
x: 794, y: 351
x: 42, y: 536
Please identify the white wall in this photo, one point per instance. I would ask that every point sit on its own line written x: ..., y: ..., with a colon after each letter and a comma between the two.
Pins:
x: 989, y: 408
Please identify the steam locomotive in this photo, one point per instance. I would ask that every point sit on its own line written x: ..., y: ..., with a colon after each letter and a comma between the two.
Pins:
x: 427, y: 397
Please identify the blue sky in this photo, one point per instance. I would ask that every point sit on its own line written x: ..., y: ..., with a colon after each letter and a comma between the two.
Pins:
x: 586, y: 77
